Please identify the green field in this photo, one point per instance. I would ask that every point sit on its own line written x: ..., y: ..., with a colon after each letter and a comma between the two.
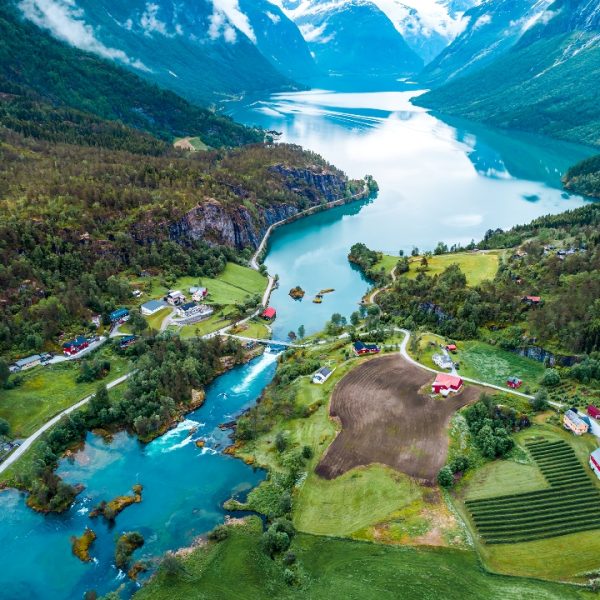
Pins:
x: 491, y: 364
x: 333, y: 568
x: 46, y: 391
x: 155, y: 320
x: 477, y: 266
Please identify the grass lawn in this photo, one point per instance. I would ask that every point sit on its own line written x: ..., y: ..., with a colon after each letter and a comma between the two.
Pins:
x: 334, y: 568
x: 477, y: 266
x: 155, y: 320
x: 46, y: 391
x: 491, y: 364
x: 233, y: 285
x: 220, y: 319
x: 564, y: 558
x: 428, y: 344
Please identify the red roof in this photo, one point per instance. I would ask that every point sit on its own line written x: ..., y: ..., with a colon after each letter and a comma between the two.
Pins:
x: 593, y: 411
x: 534, y: 298
x: 451, y: 347
x: 448, y: 381
x: 269, y: 313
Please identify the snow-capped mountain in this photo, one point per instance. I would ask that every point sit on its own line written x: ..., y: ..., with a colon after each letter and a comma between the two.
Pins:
x: 428, y: 26
x: 352, y: 37
x: 493, y: 28
x: 202, y: 49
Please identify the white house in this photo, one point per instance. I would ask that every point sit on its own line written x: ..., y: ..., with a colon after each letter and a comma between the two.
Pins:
x: 191, y: 309
x: 175, y: 298
x: 322, y: 375
x: 198, y: 293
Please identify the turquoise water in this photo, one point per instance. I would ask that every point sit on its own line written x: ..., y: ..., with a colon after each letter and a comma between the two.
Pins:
x: 184, y: 488
x: 439, y: 180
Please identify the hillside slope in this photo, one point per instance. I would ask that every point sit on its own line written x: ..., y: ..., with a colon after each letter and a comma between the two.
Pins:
x: 203, y: 50
x: 548, y: 83
x: 36, y: 67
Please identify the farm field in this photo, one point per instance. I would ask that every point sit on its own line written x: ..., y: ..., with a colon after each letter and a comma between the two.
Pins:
x: 386, y: 420
x: 477, y: 266
x: 566, y: 557
x: 47, y: 390
x: 334, y: 568
x: 485, y: 362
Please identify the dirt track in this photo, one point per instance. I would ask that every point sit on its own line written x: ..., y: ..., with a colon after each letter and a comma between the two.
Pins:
x: 385, y: 420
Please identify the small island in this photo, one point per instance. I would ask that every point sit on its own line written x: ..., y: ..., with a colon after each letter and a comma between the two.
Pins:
x: 110, y: 510
x: 127, y: 544
x: 297, y: 293
x: 81, y: 545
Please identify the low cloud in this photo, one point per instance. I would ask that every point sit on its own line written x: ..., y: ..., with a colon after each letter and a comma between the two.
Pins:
x: 229, y: 11
x: 66, y: 21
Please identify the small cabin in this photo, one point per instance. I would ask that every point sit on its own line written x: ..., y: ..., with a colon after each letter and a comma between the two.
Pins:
x: 452, y: 348
x: 322, y: 375
x: 514, y: 383
x: 269, y: 313
x: 445, y: 384
x: 175, y: 298
x: 126, y: 341
x: 573, y: 422
x: 532, y: 300
x: 593, y: 411
x: 361, y: 348
x: 595, y: 462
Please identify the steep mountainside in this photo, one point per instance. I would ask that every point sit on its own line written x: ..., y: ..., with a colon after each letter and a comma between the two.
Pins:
x: 494, y: 27
x: 547, y: 83
x: 36, y: 70
x: 584, y: 177
x: 428, y: 26
x: 201, y: 49
x: 352, y: 37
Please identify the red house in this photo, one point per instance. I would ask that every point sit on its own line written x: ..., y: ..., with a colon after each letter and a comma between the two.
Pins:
x: 532, y: 300
x: 445, y: 383
x: 514, y: 383
x: 269, y: 314
x: 75, y: 346
x: 593, y: 412
x: 361, y: 348
x: 451, y: 348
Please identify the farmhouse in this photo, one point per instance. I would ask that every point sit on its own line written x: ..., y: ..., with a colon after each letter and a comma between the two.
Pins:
x: 514, y: 383
x: 175, y: 298
x: 595, y: 462
x: 361, y: 348
x: 451, y: 348
x: 198, y: 293
x: 27, y: 363
x: 573, y: 422
x: 151, y: 307
x: 593, y: 412
x: 322, y: 375
x: 444, y: 384
x: 269, y: 314
x: 121, y: 314
x: 75, y: 346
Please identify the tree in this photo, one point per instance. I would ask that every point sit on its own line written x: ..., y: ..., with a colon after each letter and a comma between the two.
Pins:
x: 137, y: 323
x: 551, y: 378
x: 280, y: 442
x: 4, y: 427
x: 301, y: 331
x: 445, y: 477
x: 172, y: 566
x: 99, y: 401
x: 540, y: 400
x: 4, y: 373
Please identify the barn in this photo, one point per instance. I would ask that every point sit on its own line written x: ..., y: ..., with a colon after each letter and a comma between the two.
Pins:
x: 593, y: 411
x: 595, y: 462
x: 445, y: 383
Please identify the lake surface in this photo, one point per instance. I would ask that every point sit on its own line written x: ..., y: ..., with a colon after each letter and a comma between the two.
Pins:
x: 439, y: 180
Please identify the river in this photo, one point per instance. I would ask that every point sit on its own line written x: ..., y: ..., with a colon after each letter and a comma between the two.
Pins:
x: 439, y: 180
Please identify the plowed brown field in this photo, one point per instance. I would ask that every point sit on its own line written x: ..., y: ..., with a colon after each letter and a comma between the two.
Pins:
x: 386, y: 420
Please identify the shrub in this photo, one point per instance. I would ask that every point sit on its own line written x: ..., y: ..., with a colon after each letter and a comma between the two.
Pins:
x: 219, y: 533
x: 289, y: 558
x: 289, y: 577
x: 307, y: 452
x: 445, y: 477
x: 280, y: 442
x: 551, y: 378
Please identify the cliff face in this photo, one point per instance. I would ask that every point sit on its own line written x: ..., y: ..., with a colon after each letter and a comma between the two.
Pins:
x: 240, y: 226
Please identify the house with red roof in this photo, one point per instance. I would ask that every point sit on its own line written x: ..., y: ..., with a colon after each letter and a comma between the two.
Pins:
x: 445, y: 383
x: 532, y: 300
x: 451, y: 348
x: 593, y: 411
x: 269, y: 313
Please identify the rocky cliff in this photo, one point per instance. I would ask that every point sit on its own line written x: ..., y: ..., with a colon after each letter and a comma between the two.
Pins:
x: 243, y: 225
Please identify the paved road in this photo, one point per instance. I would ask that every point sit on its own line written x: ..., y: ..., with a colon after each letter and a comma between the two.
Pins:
x: 34, y: 436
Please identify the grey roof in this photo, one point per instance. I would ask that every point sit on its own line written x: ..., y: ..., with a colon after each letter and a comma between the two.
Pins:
x: 28, y: 360
x: 153, y: 304
x: 325, y: 371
